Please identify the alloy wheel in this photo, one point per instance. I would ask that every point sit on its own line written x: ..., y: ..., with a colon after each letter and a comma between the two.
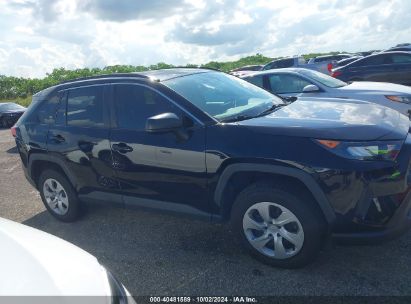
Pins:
x: 56, y: 196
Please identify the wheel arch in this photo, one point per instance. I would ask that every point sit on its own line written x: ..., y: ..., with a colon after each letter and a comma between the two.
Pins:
x: 246, y: 173
x: 38, y: 163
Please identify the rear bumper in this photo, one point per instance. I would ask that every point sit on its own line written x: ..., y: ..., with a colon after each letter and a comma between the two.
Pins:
x: 398, y: 225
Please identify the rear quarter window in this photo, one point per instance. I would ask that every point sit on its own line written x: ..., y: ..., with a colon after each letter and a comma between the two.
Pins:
x: 43, y: 109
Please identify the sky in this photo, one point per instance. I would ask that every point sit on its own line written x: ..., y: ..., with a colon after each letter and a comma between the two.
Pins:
x: 37, y: 36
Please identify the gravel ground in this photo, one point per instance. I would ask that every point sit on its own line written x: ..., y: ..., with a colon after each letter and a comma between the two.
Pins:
x: 157, y: 254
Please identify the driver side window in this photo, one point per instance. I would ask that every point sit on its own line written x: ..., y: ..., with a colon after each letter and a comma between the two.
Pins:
x: 135, y: 104
x: 283, y: 84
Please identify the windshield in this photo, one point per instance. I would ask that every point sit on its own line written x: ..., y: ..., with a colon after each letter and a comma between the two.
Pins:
x: 326, y: 80
x: 223, y: 96
x: 10, y: 107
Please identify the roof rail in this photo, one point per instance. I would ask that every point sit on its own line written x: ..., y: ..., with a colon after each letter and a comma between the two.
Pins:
x: 191, y: 67
x: 113, y: 75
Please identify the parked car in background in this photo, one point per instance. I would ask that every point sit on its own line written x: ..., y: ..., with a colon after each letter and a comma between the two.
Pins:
x: 368, y: 53
x: 245, y: 69
x: 35, y: 263
x: 248, y: 68
x: 329, y: 58
x: 297, y: 62
x: 9, y: 113
x: 400, y: 48
x: 211, y: 145
x: 403, y: 44
x: 345, y: 61
x: 308, y: 83
x: 406, y: 47
x: 392, y: 67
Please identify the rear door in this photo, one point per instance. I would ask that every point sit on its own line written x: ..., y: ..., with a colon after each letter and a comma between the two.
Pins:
x: 157, y: 170
x: 79, y: 141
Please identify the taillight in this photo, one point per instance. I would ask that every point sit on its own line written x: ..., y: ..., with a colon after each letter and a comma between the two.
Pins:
x: 329, y: 67
x: 13, y: 131
x: 335, y: 74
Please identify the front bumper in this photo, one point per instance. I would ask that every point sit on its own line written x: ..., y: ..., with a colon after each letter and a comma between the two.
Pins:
x: 399, y: 224
x: 373, y: 204
x: 11, y: 119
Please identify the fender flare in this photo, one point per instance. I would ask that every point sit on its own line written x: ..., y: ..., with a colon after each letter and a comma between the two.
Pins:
x: 50, y: 159
x: 299, y: 174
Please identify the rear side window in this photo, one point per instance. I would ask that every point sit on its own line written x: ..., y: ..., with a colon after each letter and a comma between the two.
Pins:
x: 256, y: 80
x: 269, y: 66
x: 286, y: 63
x: 134, y: 104
x: 401, y: 58
x: 373, y: 60
x: 85, y: 107
x: 282, y: 84
x: 321, y: 59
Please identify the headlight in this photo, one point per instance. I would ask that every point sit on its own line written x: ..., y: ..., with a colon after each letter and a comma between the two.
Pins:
x: 377, y: 150
x: 403, y: 99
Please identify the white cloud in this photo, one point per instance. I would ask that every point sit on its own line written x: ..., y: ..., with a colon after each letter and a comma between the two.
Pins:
x: 39, y: 35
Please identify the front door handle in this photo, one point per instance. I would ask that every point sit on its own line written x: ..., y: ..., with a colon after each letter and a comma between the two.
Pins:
x: 122, y: 148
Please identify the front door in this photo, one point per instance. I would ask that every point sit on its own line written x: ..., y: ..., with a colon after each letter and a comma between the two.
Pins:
x: 157, y: 170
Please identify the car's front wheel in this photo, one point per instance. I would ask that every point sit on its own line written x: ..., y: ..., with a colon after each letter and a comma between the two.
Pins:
x: 3, y: 123
x: 58, y: 196
x: 277, y: 227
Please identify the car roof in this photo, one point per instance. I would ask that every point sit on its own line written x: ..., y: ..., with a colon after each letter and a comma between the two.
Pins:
x: 166, y: 74
x: 373, y: 55
x: 326, y: 56
x: 156, y: 75
x: 153, y: 75
x: 277, y: 71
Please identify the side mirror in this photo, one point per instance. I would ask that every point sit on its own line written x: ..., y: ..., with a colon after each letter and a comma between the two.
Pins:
x: 290, y: 98
x: 165, y: 122
x: 311, y: 88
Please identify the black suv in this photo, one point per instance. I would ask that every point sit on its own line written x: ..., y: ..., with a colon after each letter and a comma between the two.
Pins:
x: 205, y: 143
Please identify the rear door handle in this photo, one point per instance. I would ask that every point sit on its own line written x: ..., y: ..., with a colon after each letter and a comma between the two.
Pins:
x: 58, y: 138
x: 122, y: 148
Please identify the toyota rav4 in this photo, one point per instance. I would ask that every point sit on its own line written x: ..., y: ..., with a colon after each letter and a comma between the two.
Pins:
x: 286, y: 175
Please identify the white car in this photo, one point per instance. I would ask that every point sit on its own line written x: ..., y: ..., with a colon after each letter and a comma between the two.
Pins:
x: 35, y: 263
x: 308, y: 83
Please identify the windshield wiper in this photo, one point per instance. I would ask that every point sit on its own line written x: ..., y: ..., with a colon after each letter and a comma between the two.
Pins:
x: 245, y: 117
x: 238, y: 118
x: 272, y: 109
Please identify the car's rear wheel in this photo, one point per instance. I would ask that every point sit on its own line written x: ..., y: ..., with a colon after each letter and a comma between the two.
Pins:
x: 277, y: 227
x: 59, y: 196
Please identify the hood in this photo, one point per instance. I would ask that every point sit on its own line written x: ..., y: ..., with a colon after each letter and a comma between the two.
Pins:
x: 36, y: 263
x: 383, y: 88
x: 350, y: 120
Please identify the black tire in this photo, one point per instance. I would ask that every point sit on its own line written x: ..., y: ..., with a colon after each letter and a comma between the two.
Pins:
x: 310, y: 217
x: 74, y: 206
